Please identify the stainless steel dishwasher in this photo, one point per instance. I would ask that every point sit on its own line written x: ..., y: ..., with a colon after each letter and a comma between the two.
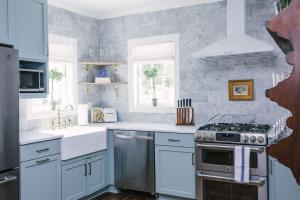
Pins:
x: 134, y: 160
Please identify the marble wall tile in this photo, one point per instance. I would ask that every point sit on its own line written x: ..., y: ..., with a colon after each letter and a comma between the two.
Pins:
x: 203, y: 81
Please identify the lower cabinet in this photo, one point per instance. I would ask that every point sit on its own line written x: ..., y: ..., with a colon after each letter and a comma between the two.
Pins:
x: 74, y: 180
x: 282, y: 184
x: 175, y: 171
x: 96, y: 178
x: 41, y: 178
x: 83, y: 176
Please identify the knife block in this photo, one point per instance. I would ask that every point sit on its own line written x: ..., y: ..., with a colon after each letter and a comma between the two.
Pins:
x: 185, y: 117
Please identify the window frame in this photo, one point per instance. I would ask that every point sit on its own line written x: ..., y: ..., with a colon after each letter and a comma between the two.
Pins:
x: 29, y: 114
x: 131, y: 81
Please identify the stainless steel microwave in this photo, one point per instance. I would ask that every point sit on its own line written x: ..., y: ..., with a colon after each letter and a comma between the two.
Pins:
x: 32, y: 81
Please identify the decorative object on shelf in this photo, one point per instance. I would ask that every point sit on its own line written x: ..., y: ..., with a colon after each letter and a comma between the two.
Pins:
x: 99, y: 115
x: 102, y: 80
x: 241, y: 90
x: 102, y: 77
x: 286, y: 29
x: 185, y: 113
x: 151, y: 74
x: 54, y: 75
x: 280, y: 130
x: 103, y: 73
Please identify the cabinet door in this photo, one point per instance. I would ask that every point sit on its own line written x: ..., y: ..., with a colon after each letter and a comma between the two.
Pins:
x: 175, y: 171
x: 31, y: 29
x: 6, y: 21
x: 282, y: 182
x: 41, y: 179
x: 74, y: 180
x: 96, y: 179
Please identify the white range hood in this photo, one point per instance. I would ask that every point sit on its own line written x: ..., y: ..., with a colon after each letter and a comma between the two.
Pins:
x: 236, y: 42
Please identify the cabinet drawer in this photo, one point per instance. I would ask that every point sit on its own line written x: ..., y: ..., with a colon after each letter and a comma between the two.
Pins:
x: 38, y: 150
x: 174, y: 139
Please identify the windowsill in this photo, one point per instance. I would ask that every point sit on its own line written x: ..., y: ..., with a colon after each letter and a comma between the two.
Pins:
x: 153, y: 110
x: 48, y: 115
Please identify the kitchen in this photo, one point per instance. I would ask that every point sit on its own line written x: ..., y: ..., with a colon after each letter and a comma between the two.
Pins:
x: 144, y: 100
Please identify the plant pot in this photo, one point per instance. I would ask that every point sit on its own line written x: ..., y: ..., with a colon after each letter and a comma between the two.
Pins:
x: 155, y: 102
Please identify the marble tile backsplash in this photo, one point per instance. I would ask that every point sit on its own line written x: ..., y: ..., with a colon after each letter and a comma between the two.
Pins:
x: 203, y: 81
x: 206, y: 82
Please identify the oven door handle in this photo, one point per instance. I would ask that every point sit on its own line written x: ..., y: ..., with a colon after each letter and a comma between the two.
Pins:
x: 258, y: 183
x: 223, y: 147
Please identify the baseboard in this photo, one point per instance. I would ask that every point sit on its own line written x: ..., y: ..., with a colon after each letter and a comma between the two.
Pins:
x: 110, y: 189
x: 168, y: 197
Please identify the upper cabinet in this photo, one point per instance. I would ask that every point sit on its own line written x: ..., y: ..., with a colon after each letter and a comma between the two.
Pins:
x: 31, y: 29
x: 6, y: 21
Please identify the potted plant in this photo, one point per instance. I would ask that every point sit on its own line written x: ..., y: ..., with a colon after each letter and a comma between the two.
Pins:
x: 151, y: 74
x: 281, y: 4
x: 54, y: 75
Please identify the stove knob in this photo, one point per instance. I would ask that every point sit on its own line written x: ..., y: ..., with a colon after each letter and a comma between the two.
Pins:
x: 261, y: 139
x: 199, y: 136
x: 205, y: 137
x: 253, y: 139
x: 211, y: 137
x: 245, y: 138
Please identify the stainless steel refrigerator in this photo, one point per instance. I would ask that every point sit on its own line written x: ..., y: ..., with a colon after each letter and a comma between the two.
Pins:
x: 9, y: 123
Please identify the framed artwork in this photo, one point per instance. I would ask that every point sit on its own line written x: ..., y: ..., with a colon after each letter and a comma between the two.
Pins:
x: 241, y: 90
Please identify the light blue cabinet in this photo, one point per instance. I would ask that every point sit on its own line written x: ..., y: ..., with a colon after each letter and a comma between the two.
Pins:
x: 6, y: 21
x: 175, y: 171
x: 96, y: 178
x: 41, y: 178
x: 282, y: 184
x: 84, y: 176
x: 74, y: 180
x: 31, y: 29
x: 40, y: 171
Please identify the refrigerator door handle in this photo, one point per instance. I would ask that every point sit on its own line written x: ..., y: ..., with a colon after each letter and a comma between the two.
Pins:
x: 8, y: 180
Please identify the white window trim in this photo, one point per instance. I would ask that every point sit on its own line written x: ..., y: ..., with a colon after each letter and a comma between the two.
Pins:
x: 156, y: 39
x: 51, y: 114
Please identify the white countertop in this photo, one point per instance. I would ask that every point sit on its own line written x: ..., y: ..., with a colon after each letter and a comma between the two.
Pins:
x: 37, y: 136
x: 170, y: 128
x: 43, y: 135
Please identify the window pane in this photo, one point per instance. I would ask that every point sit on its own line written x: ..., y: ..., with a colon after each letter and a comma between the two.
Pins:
x: 155, y: 80
x: 61, y: 90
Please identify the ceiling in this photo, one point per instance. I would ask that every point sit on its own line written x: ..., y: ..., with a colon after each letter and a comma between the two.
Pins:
x: 102, y: 9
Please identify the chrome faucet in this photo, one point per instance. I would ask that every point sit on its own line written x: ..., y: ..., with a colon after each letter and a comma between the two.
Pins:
x: 66, y: 122
x: 69, y: 106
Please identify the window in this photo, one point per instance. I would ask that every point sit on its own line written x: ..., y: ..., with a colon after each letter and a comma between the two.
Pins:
x: 62, y: 79
x: 153, y: 73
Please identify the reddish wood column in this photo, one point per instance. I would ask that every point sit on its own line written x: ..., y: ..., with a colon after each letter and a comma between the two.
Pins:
x: 285, y: 28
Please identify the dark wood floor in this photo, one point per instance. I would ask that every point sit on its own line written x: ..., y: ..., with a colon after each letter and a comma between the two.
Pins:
x: 126, y: 195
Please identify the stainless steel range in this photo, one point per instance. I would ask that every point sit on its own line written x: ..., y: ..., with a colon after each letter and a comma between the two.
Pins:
x: 215, y: 144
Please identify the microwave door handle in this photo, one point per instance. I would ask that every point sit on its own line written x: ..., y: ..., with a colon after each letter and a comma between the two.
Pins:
x: 222, y: 147
x: 257, y: 183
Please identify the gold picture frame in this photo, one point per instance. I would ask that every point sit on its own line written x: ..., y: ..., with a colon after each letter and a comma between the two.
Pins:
x: 241, y: 90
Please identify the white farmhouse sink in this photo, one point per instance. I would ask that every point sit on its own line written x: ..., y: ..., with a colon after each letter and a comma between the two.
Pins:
x: 80, y: 140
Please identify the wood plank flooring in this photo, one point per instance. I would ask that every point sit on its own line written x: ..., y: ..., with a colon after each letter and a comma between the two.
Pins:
x: 126, y: 195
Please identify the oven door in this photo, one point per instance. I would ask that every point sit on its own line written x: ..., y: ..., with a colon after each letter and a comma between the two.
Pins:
x: 222, y: 186
x: 220, y: 158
